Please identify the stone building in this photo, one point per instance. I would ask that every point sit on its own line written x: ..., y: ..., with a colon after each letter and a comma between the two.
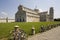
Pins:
x: 25, y: 14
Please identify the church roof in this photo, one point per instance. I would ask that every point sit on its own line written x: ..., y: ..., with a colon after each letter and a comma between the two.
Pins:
x: 27, y: 9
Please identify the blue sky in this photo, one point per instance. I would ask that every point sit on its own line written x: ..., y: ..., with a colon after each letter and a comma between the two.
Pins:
x: 8, y: 8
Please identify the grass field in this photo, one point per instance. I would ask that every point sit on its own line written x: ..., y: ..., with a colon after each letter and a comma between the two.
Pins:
x: 5, y: 28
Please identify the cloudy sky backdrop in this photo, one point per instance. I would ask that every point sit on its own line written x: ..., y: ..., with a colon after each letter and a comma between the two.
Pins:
x: 8, y: 8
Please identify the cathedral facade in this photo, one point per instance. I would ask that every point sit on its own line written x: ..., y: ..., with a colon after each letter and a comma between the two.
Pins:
x: 25, y: 14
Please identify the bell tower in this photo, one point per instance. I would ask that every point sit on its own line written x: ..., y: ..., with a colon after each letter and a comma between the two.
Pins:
x: 51, y: 13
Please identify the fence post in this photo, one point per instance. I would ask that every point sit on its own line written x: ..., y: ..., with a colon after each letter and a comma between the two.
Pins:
x: 33, y: 30
x: 7, y: 19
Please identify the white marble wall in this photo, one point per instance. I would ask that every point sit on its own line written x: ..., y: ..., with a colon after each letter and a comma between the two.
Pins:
x: 4, y: 20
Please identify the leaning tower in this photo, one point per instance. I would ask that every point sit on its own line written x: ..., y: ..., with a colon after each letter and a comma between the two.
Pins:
x: 51, y: 14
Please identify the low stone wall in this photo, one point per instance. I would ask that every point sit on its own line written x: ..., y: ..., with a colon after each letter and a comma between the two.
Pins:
x: 46, y: 28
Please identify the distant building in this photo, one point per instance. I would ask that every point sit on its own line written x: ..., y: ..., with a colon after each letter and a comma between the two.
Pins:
x: 25, y: 14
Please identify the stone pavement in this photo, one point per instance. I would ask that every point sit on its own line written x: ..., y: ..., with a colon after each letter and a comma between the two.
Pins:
x: 53, y: 34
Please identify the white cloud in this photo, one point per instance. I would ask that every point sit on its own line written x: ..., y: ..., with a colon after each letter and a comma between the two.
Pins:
x: 40, y: 10
x: 4, y: 13
x: 1, y: 17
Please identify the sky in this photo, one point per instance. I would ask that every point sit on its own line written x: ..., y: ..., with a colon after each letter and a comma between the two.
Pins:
x: 8, y: 8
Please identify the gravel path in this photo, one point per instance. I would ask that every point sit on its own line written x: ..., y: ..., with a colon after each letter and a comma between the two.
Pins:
x: 53, y: 34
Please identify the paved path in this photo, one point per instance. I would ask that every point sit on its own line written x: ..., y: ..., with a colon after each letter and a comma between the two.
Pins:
x: 53, y: 34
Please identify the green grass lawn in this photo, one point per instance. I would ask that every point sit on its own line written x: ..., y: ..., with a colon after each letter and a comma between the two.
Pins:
x: 5, y: 28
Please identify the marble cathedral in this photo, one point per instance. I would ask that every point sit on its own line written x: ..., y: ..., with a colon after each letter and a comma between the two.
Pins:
x: 25, y: 14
